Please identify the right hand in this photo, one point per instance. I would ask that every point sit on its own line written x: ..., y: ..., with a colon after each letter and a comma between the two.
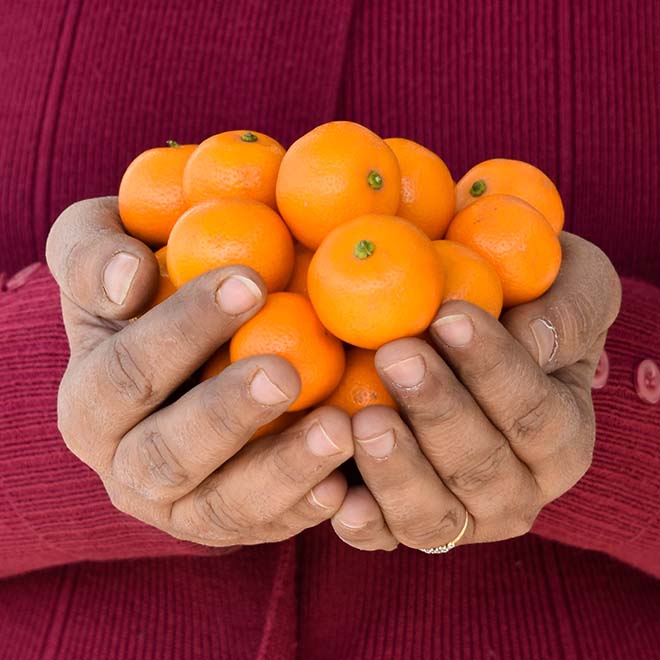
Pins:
x: 182, y: 464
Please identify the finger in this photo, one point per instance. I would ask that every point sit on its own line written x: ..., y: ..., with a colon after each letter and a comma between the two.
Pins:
x: 360, y: 522
x: 420, y: 511
x: 319, y: 505
x: 472, y: 457
x: 97, y: 265
x: 84, y: 330
x: 173, y: 450
x: 559, y: 328
x: 266, y: 479
x: 536, y: 413
x: 135, y: 370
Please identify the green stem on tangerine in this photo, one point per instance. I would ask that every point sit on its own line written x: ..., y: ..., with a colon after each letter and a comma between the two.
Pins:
x: 375, y: 180
x: 172, y: 143
x: 478, y: 188
x: 249, y: 136
x: 364, y: 249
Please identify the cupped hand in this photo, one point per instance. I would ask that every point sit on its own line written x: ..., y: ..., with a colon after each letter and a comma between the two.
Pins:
x: 181, y: 463
x: 498, y: 418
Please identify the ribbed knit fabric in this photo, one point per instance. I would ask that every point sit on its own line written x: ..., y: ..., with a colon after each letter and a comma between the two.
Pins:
x: 573, y: 87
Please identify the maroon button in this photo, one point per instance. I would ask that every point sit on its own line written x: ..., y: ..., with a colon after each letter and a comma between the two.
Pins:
x: 647, y: 381
x: 18, y: 280
x: 602, y: 372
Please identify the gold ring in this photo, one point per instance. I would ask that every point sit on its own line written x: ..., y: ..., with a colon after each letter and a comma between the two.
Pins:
x: 441, y: 549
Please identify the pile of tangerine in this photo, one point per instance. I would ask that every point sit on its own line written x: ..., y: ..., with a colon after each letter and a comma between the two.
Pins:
x: 359, y: 240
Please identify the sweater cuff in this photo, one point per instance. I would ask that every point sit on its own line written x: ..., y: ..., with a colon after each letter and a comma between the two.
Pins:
x: 615, y: 507
x: 53, y: 508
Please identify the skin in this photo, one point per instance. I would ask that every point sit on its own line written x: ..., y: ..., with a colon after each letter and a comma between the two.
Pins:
x: 179, y: 461
x: 496, y: 426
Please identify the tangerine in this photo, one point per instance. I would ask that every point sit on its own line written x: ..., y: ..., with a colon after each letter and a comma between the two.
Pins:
x: 469, y: 277
x: 332, y: 174
x: 375, y: 279
x: 360, y: 386
x: 302, y: 259
x: 288, y: 326
x: 233, y: 164
x: 504, y: 176
x: 516, y: 239
x: 427, y: 187
x: 165, y: 287
x: 230, y: 231
x: 150, y: 193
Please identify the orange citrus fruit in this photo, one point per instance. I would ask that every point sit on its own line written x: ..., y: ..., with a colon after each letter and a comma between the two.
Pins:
x: 216, y: 363
x: 374, y: 279
x: 233, y: 164
x: 298, y: 281
x: 219, y: 361
x: 334, y: 173
x: 469, y: 277
x: 503, y: 176
x: 516, y: 239
x: 427, y: 188
x: 230, y: 231
x: 150, y: 192
x: 165, y: 287
x: 360, y: 386
x: 288, y: 326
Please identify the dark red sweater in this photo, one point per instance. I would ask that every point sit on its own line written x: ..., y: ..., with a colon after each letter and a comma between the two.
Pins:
x: 571, y: 86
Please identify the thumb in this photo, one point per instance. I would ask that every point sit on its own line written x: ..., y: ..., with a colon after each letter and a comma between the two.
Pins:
x: 561, y: 327
x: 97, y: 265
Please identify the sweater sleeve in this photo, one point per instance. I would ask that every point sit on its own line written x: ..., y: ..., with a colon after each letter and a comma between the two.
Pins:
x: 53, y: 509
x: 615, y: 508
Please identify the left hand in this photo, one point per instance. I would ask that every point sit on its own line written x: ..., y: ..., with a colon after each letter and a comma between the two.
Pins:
x: 499, y: 423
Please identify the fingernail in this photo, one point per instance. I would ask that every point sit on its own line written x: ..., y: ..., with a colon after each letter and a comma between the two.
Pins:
x: 455, y: 330
x: 322, y: 495
x: 352, y: 515
x: 118, y: 275
x: 319, y: 442
x: 407, y: 373
x: 380, y: 446
x: 237, y: 295
x: 546, y: 340
x: 264, y: 391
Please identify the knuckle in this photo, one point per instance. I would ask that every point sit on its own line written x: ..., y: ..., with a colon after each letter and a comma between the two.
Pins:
x: 526, y: 519
x: 419, y: 533
x: 573, y: 455
x: 69, y: 423
x: 471, y: 479
x: 223, y: 419
x: 576, y: 314
x: 285, y: 472
x: 494, y: 361
x: 530, y: 420
x: 610, y: 282
x: 582, y: 460
x: 57, y: 233
x: 216, y: 515
x: 156, y: 471
x: 128, y: 376
x: 119, y: 499
x: 442, y: 406
x: 519, y: 527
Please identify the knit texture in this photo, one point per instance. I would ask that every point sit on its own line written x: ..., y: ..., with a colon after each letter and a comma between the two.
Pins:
x: 572, y: 87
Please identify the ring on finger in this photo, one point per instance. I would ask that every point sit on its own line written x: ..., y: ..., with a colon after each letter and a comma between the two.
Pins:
x: 442, y: 549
